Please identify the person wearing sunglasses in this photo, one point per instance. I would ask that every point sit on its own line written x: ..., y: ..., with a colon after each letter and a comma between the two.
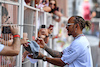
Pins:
x: 43, y: 5
x: 55, y: 10
x: 78, y: 53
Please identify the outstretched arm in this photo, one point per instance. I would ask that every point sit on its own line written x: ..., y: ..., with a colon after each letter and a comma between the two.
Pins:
x: 53, y: 53
x: 15, y: 48
x: 47, y: 9
x: 59, y: 14
x: 54, y: 61
x: 12, y: 50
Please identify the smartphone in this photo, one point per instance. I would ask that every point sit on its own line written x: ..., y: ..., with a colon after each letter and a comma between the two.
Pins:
x: 6, y: 30
x: 43, y: 26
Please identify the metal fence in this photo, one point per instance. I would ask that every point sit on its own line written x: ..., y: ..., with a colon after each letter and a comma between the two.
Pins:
x: 29, y: 19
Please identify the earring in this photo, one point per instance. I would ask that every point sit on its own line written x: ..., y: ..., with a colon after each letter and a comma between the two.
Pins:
x: 76, y: 30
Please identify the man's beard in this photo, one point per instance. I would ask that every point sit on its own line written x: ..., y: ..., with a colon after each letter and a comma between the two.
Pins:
x: 69, y: 34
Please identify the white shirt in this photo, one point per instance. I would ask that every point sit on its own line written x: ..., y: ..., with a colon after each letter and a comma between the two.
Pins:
x: 1, y: 47
x: 33, y: 61
x: 78, y: 54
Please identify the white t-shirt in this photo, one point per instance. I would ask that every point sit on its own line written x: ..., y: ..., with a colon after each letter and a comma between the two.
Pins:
x: 78, y: 54
x: 1, y: 47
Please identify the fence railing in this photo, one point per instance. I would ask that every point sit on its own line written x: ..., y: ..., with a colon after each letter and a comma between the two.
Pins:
x: 29, y: 19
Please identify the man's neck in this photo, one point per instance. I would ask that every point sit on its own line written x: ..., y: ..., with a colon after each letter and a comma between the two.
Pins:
x: 77, y: 34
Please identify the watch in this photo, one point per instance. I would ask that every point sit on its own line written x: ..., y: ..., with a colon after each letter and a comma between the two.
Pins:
x: 44, y: 58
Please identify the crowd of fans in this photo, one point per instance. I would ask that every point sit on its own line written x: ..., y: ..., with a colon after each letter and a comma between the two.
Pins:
x: 43, y: 32
x: 48, y: 6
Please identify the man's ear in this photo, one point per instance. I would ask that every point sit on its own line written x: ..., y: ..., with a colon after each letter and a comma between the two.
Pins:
x: 77, y: 25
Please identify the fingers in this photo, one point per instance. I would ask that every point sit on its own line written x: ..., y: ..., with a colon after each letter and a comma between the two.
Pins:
x: 23, y: 58
x: 13, y: 26
x: 25, y: 45
x: 14, y: 29
x: 39, y: 39
x: 31, y: 56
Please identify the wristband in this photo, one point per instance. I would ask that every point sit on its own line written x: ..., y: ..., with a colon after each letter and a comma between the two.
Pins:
x: 16, y: 36
x: 56, y: 36
x: 28, y: 41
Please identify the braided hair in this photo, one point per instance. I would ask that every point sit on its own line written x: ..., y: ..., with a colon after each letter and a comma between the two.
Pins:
x: 82, y: 23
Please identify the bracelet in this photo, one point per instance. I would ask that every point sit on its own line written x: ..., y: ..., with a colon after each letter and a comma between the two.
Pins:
x: 56, y: 36
x: 16, y: 36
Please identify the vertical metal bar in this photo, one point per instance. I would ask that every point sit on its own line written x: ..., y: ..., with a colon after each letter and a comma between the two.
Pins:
x: 19, y: 57
x: 5, y: 56
x: 45, y: 18
x: 99, y: 29
x: 7, y: 45
x: 45, y: 22
x: 50, y: 45
x: 0, y: 16
x: 0, y: 26
x: 36, y: 24
x: 36, y: 31
x: 21, y: 20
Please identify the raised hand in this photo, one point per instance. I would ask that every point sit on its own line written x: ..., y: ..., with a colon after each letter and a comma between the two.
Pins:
x: 40, y: 42
x: 14, y: 29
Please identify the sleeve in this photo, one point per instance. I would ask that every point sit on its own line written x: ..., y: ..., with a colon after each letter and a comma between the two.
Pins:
x: 70, y: 55
x: 1, y: 47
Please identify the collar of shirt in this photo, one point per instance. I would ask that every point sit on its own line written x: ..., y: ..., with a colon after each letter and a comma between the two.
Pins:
x: 79, y: 36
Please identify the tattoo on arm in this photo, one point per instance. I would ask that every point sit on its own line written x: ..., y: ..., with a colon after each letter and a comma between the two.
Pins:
x: 53, y: 53
x: 40, y: 56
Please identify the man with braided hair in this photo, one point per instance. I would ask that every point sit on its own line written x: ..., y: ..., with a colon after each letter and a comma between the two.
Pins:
x: 78, y: 54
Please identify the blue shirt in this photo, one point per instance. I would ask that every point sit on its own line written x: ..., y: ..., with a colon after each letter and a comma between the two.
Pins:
x: 78, y: 54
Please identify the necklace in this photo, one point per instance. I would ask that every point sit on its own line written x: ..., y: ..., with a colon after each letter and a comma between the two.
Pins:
x: 79, y: 36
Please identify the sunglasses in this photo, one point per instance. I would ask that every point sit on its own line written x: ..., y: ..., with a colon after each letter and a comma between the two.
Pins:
x: 69, y: 24
x: 44, y: 1
x: 52, y: 4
